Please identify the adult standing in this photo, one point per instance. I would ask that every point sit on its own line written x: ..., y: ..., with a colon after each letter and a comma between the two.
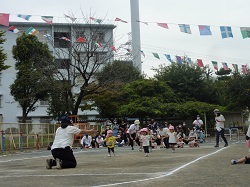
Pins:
x: 61, y: 148
x: 132, y: 133
x: 220, y: 127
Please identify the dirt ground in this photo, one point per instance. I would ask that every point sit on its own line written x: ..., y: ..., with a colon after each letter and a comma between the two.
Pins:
x: 203, y: 166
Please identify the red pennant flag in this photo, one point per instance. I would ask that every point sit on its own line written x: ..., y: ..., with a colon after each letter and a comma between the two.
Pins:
x: 13, y: 29
x: 164, y: 25
x: 65, y: 38
x: 200, y: 63
x: 118, y: 19
x: 224, y: 64
x: 81, y: 40
x: 244, y: 69
x: 113, y: 48
x: 4, y: 19
x: 98, y: 44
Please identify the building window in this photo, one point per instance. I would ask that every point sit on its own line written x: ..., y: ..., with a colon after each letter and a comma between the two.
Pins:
x: 44, y: 103
x: 80, y: 34
x: 62, y: 63
x: 61, y: 43
x: 28, y: 120
x: 99, y: 37
x: 41, y: 36
x: 45, y: 119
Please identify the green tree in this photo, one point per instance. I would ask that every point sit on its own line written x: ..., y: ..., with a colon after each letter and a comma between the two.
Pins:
x: 146, y: 98
x: 34, y: 76
x: 108, y: 99
x: 58, y: 103
x: 118, y: 71
x: 238, y: 92
x: 3, y: 56
x: 188, y: 109
x: 189, y: 82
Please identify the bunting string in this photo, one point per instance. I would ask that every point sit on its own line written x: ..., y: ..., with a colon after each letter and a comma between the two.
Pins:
x: 204, y: 30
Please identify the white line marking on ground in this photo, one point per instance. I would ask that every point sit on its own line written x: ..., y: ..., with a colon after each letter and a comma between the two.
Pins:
x: 114, y: 184
x: 19, y: 159
x: 164, y: 175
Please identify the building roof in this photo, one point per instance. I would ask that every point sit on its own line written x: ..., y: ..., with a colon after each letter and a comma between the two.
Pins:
x: 111, y: 26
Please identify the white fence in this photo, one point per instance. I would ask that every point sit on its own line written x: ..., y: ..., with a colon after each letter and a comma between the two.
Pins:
x: 24, y: 135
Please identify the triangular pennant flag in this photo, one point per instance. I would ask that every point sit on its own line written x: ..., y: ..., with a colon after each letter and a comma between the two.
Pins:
x: 168, y: 57
x: 4, y: 19
x: 47, y: 19
x: 244, y: 69
x: 143, y: 54
x: 189, y: 60
x: 178, y: 58
x: 72, y: 18
x: 156, y: 55
x: 226, y: 32
x: 98, y: 44
x: 245, y: 32
x: 81, y: 40
x: 32, y: 31
x: 13, y: 29
x: 49, y: 37
x: 65, y: 38
x: 200, y: 63
x: 146, y: 23
x: 118, y: 19
x: 236, y: 70
x: 204, y: 30
x: 26, y: 17
x: 164, y: 25
x: 224, y: 64
x: 96, y: 20
x: 185, y: 28
x: 113, y: 48
x: 215, y: 64
x: 128, y: 50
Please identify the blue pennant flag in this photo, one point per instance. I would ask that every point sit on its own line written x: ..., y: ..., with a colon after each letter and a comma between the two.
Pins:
x: 168, y: 57
x: 178, y: 58
x: 226, y: 32
x: 204, y: 30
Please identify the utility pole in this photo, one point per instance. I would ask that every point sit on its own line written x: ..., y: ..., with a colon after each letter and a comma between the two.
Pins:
x: 135, y: 29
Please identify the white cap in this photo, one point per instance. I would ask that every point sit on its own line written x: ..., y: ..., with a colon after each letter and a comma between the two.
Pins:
x: 137, y: 122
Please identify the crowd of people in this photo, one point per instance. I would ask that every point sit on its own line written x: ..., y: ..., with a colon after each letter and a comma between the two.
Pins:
x: 162, y: 134
x: 147, y: 136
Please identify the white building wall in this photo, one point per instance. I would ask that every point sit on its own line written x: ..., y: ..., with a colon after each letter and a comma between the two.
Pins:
x: 9, y: 109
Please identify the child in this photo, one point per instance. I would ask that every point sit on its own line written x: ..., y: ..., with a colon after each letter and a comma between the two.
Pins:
x: 153, y: 141
x: 180, y: 142
x: 172, y: 138
x: 110, y: 142
x: 144, y: 139
x: 193, y: 143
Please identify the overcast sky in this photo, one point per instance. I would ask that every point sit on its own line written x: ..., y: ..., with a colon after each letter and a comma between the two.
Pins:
x: 216, y: 13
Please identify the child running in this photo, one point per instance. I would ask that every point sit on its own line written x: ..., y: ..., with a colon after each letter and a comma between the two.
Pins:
x: 172, y: 138
x: 144, y: 139
x: 110, y: 142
